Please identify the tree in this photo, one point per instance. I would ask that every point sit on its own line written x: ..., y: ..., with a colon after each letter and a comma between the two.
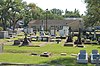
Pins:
x: 4, y: 7
x: 72, y: 14
x: 16, y: 8
x: 56, y: 13
x: 9, y: 11
x: 92, y: 17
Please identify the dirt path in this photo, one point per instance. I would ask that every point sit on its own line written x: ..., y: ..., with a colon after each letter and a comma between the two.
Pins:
x: 44, y: 43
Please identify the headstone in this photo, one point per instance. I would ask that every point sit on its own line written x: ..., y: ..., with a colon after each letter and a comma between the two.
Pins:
x: 84, y: 34
x: 70, y: 44
x: 45, y: 54
x: 90, y: 36
x: 16, y: 42
x: 99, y: 40
x: 63, y: 54
x: 52, y: 32
x: 3, y: 34
x: 83, y: 40
x: 79, y: 36
x: 61, y: 32
x: 28, y: 30
x: 94, y: 35
x: 87, y: 41
x: 89, y: 29
x: 42, y: 30
x: 58, y: 40
x: 42, y: 33
x: 44, y: 38
x: 34, y: 54
x: 69, y: 39
x: 97, y: 61
x: 25, y: 41
x: 78, y: 42
x: 64, y: 31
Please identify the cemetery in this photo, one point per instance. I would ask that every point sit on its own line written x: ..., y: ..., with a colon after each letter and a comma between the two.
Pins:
x: 50, y: 49
x: 33, y: 36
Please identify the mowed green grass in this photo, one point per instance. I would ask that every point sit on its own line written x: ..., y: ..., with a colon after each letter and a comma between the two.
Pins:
x: 18, y: 54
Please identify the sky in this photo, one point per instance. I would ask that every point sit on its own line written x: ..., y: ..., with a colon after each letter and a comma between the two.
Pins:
x: 70, y: 5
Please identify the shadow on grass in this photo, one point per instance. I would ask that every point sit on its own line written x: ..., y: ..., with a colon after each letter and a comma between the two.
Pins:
x: 64, y: 62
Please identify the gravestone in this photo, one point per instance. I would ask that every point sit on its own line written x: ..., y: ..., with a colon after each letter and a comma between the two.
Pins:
x: 87, y: 41
x: 45, y: 54
x: 94, y: 34
x: 42, y: 33
x: 84, y: 34
x: 70, y: 44
x: 1, y: 48
x: 64, y: 31
x: 99, y: 40
x: 58, y: 40
x: 53, y: 31
x: 16, y: 42
x: 25, y: 41
x: 3, y: 34
x: 42, y: 30
x: 78, y: 42
x: 61, y: 32
x: 28, y: 30
x: 69, y: 39
x: 90, y: 36
x: 97, y: 61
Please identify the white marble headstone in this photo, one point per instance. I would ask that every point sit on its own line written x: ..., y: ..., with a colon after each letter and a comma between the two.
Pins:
x: 52, y: 32
x: 61, y: 32
x: 64, y: 31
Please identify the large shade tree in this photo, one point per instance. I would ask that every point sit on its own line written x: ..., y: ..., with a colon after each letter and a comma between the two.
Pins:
x: 92, y: 17
x: 10, y: 12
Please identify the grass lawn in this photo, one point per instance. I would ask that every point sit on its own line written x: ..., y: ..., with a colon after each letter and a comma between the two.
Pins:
x: 16, y: 54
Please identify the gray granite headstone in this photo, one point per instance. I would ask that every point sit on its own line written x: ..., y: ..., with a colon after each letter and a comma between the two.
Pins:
x: 3, y: 34
x: 97, y: 62
x: 16, y: 42
x: 99, y: 40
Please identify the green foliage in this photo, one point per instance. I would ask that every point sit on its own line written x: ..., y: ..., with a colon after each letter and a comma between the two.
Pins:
x: 92, y: 14
x: 12, y: 11
x: 72, y: 14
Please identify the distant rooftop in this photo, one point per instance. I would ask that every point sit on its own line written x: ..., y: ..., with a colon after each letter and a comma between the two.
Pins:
x: 73, y: 18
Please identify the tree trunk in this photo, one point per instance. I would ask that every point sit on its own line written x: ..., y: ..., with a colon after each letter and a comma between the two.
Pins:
x: 4, y: 24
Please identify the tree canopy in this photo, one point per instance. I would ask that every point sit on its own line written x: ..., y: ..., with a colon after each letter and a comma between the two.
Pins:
x: 92, y: 17
x: 11, y: 11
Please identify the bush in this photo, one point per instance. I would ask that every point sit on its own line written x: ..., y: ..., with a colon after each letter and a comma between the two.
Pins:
x: 1, y: 29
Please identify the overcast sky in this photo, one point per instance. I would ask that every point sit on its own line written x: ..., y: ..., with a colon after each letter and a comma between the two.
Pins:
x: 70, y: 5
